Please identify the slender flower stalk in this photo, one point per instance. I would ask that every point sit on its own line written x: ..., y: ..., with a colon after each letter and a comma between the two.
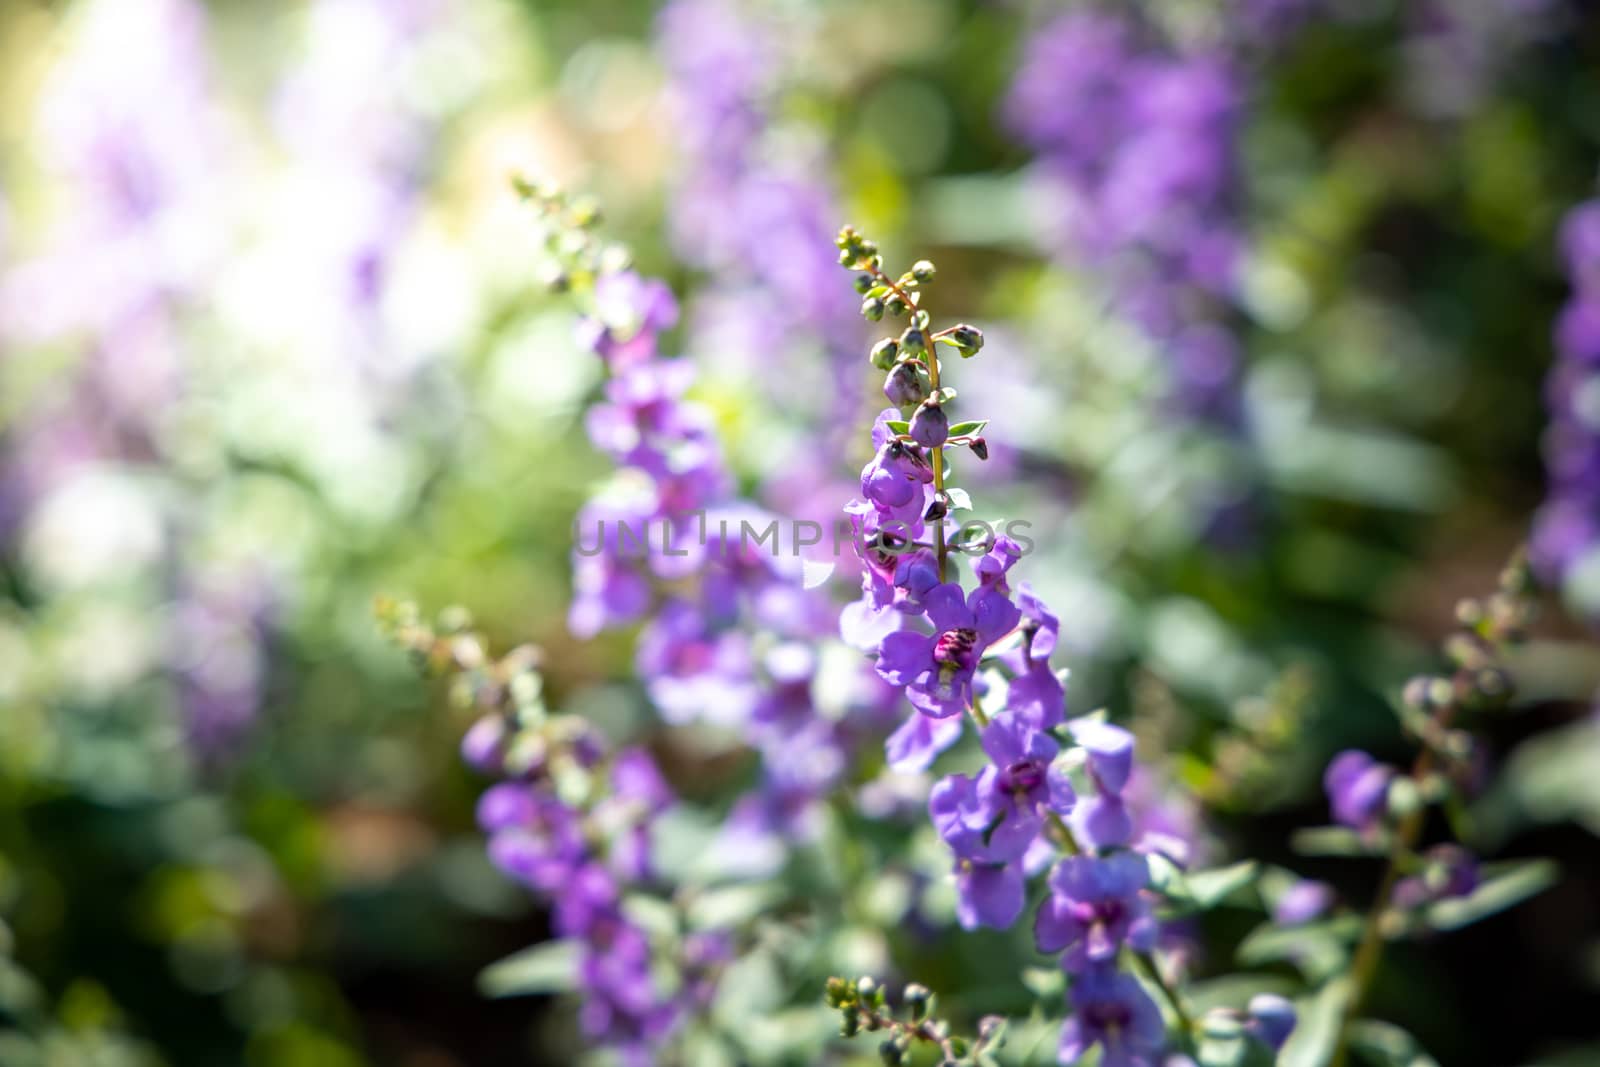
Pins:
x: 1364, y: 793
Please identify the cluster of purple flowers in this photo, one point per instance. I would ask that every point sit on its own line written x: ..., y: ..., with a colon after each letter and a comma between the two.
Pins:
x: 580, y: 856
x: 670, y: 541
x: 1358, y: 789
x: 931, y: 638
x: 750, y: 207
x: 1567, y: 528
x: 1139, y: 140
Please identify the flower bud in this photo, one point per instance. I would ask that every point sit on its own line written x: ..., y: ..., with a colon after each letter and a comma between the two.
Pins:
x: 922, y: 270
x: 884, y: 353
x: 980, y: 447
x: 930, y: 426
x: 967, y: 339
x: 483, y: 747
x: 864, y: 282
x: 917, y: 997
x: 914, y: 341
x: 891, y: 1053
x: 872, y: 309
x: 906, y: 385
x: 1272, y: 1020
x: 936, y: 510
x: 897, y: 307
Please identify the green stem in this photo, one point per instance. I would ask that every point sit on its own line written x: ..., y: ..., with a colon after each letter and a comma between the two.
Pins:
x: 1369, y: 950
x: 1147, y: 967
x: 930, y: 360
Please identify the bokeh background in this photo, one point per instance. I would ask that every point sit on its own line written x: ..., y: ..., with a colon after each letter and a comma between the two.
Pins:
x: 273, y: 343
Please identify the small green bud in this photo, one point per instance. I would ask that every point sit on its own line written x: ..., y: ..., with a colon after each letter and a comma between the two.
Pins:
x: 897, y: 307
x: 1404, y: 796
x: 838, y: 992
x: 849, y: 1023
x: 916, y: 997
x: 914, y: 341
x: 884, y: 353
x: 967, y: 339
x: 922, y: 270
x: 872, y: 309
x: 864, y: 283
x: 890, y: 1053
x: 866, y: 986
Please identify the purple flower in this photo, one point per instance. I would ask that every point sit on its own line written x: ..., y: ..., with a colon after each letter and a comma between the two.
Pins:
x: 1358, y: 789
x: 1302, y: 902
x: 1022, y: 780
x: 694, y: 671
x: 1110, y: 750
x: 534, y: 838
x: 988, y: 894
x: 1095, y: 907
x: 1448, y: 871
x: 973, y: 825
x: 1272, y: 1020
x: 483, y: 745
x: 937, y: 669
x: 919, y: 740
x: 895, y: 479
x: 1036, y: 695
x: 930, y: 426
x: 1113, y: 1011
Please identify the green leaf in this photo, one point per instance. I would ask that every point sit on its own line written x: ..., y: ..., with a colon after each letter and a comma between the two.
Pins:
x: 1046, y: 983
x: 732, y: 905
x: 652, y: 914
x: 966, y: 429
x: 548, y: 967
x: 898, y: 426
x: 1332, y: 841
x: 959, y: 500
x: 1318, y: 949
x: 1388, y: 1045
x: 1317, y: 1031
x: 1506, y: 887
x: 1207, y: 889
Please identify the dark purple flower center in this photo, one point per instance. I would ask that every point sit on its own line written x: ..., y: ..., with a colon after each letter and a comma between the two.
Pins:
x: 1109, y: 1016
x: 1022, y: 776
x: 954, y: 648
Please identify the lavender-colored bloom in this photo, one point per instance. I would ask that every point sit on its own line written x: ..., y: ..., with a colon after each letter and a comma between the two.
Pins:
x: 1358, y: 789
x: 1302, y: 902
x: 1110, y: 750
x: 895, y: 479
x: 694, y: 671
x: 919, y: 740
x: 1113, y: 1011
x: 1095, y: 907
x: 988, y: 894
x: 1448, y: 871
x: 1272, y: 1020
x: 1139, y: 140
x: 1566, y: 529
x: 930, y: 426
x: 937, y: 669
x: 990, y: 851
x: 1022, y: 780
x: 483, y: 745
x: 534, y: 838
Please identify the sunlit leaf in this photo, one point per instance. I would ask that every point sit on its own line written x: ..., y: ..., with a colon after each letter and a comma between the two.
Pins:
x: 548, y: 967
x: 1505, y: 888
